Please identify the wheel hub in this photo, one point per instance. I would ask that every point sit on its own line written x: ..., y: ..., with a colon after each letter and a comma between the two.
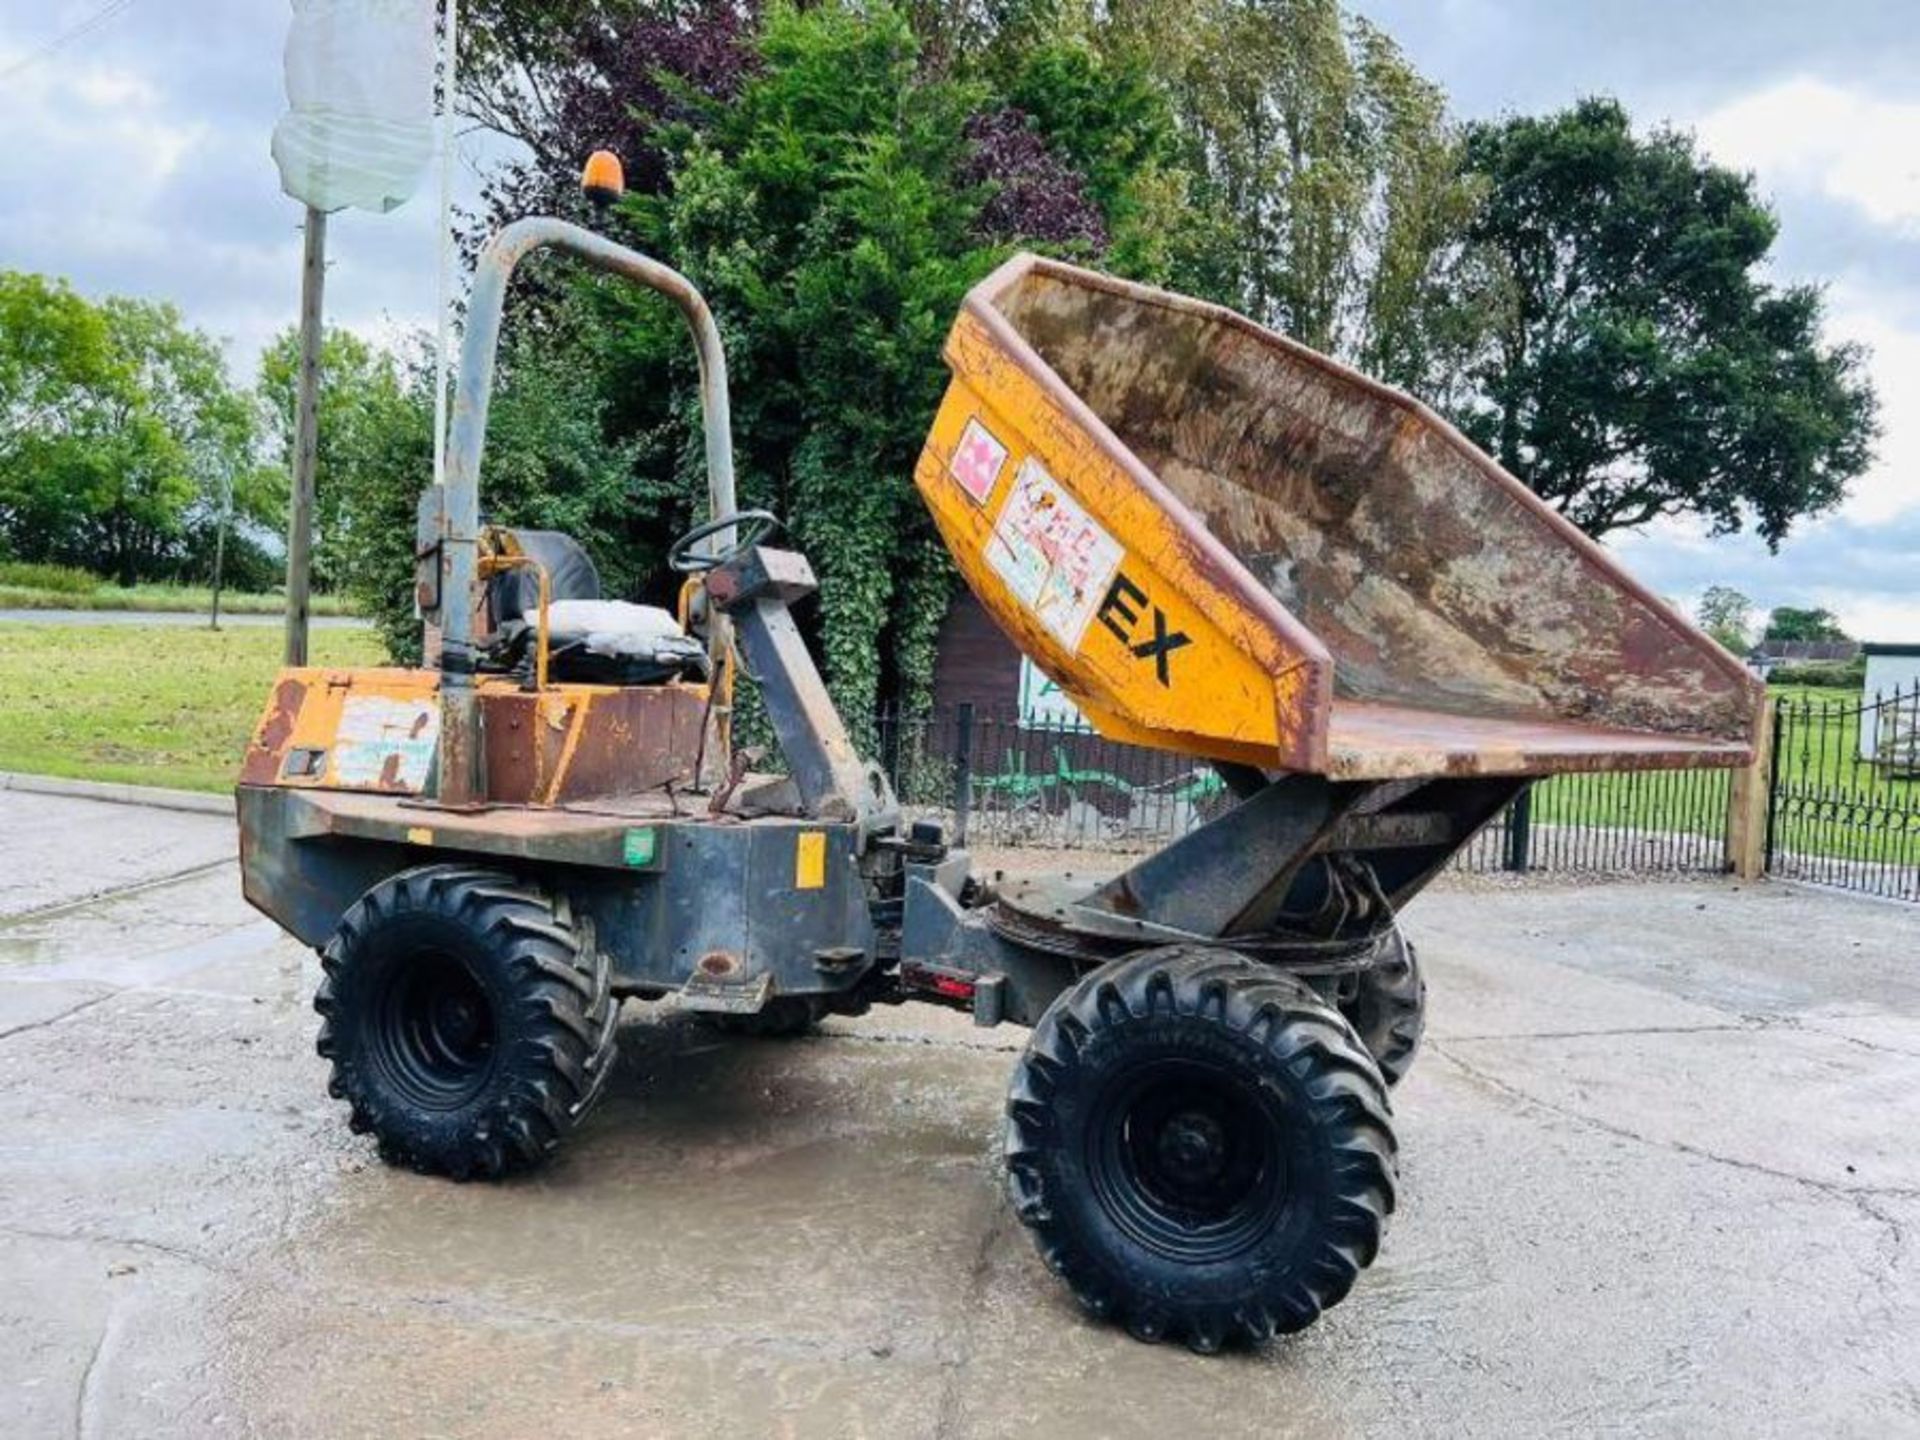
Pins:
x: 1188, y: 1159
x: 1192, y: 1148
x: 435, y: 1036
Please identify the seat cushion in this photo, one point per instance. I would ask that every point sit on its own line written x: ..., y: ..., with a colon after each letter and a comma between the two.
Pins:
x: 613, y: 642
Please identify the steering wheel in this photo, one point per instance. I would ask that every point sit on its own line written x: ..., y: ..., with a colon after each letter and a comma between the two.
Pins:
x: 750, y: 527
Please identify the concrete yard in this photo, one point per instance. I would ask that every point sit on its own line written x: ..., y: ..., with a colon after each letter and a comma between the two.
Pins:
x: 1661, y: 1174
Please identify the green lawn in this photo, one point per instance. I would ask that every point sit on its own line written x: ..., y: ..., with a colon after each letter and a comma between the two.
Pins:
x: 1835, y: 803
x: 162, y: 705
x: 172, y: 599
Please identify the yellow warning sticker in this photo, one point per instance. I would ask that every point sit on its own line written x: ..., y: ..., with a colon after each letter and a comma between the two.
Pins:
x: 810, y: 861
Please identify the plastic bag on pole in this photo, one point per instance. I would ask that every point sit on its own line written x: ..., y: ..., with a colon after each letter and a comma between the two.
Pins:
x: 360, y: 86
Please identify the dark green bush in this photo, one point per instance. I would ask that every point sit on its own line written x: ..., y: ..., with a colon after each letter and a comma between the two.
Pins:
x: 1835, y: 674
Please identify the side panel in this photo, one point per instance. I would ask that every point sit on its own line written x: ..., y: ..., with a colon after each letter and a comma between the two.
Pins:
x: 378, y: 730
x: 1149, y: 625
x: 324, y: 729
x: 729, y: 904
x: 726, y: 902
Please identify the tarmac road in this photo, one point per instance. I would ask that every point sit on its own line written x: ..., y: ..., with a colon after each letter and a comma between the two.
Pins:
x: 1659, y: 1176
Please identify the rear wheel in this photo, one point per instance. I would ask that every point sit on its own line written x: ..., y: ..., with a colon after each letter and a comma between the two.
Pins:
x: 469, y: 1022
x: 1201, y: 1148
x: 1389, y: 1011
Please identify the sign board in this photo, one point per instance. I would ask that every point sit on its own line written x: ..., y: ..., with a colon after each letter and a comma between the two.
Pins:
x: 1043, y: 704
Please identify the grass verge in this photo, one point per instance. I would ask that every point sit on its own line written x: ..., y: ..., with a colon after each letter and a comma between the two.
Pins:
x: 144, y: 705
x: 158, y: 599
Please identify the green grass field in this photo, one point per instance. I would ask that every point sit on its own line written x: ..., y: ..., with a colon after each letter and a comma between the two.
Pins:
x: 165, y: 599
x: 1834, y: 802
x: 165, y: 705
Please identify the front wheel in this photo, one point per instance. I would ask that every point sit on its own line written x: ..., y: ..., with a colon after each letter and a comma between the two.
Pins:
x: 469, y: 1022
x: 1201, y: 1147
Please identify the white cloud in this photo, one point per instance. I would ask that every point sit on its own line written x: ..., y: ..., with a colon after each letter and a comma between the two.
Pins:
x: 1893, y: 485
x: 1813, y: 135
x: 1865, y: 572
x: 137, y: 164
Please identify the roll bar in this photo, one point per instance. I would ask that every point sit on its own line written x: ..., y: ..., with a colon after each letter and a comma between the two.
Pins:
x: 460, y: 780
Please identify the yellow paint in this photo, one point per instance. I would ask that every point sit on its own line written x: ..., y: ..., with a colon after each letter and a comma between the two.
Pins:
x: 1236, y: 689
x: 810, y: 860
x: 419, y: 835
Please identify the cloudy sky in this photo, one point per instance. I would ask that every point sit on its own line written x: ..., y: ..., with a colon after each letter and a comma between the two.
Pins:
x: 134, y: 160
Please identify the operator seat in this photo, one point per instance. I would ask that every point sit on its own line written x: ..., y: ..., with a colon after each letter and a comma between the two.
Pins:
x: 590, y: 640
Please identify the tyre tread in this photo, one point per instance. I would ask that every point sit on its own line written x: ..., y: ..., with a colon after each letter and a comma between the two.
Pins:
x: 1302, y: 1033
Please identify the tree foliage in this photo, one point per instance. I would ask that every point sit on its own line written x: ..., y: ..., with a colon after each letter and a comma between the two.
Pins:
x: 1727, y: 616
x: 833, y: 175
x: 1637, y: 364
x: 1325, y: 197
x: 120, y: 436
x: 360, y: 386
x: 1785, y: 622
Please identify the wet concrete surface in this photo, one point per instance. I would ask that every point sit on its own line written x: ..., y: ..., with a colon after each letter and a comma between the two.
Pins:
x: 1659, y: 1177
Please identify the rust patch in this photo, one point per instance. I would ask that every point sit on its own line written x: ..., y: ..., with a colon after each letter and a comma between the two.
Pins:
x: 624, y: 742
x: 261, y: 765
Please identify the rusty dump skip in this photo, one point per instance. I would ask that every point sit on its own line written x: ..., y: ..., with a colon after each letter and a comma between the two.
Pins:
x: 1337, y: 578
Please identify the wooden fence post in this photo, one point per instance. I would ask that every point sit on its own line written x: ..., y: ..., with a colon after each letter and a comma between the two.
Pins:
x: 1747, y: 798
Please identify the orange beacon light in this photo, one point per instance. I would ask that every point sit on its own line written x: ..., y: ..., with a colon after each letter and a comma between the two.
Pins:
x: 603, y: 179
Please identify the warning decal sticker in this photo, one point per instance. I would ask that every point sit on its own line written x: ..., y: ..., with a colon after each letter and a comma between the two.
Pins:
x: 977, y: 461
x: 1052, y: 554
x: 385, y: 744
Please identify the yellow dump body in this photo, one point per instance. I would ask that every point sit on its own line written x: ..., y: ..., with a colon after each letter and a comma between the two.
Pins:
x: 1220, y: 542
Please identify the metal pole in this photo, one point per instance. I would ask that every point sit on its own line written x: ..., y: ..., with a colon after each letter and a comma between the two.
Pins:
x: 962, y: 770
x: 1520, y: 832
x: 450, y: 42
x: 313, y: 278
x: 220, y: 542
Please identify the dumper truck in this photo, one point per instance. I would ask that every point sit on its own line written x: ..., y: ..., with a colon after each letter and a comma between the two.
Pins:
x: 1216, y: 542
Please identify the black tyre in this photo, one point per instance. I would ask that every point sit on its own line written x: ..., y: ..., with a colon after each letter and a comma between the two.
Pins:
x: 785, y: 1017
x: 470, y: 1024
x: 1201, y: 1148
x: 1389, y: 1013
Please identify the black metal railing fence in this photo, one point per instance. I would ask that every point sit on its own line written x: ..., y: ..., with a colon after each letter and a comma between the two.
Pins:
x: 1843, y: 803
x: 1004, y: 780
x: 1844, y: 798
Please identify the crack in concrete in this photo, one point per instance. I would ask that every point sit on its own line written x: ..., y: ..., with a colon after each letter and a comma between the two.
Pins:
x: 66, y: 1014
x: 156, y: 1247
x: 1733, y: 1026
x: 98, y: 897
x: 1806, y: 1028
x: 83, y: 1403
x: 935, y: 1042
x: 947, y: 1415
x: 1849, y: 1193
x: 1751, y: 1024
